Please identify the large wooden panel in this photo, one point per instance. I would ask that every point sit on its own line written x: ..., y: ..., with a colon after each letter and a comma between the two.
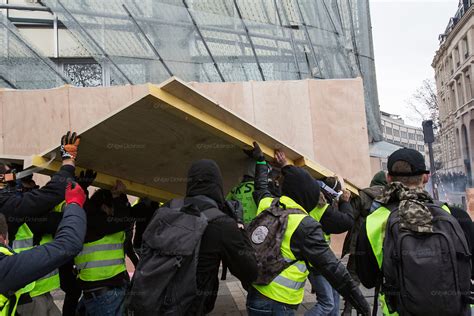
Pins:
x: 148, y: 135
x: 236, y: 97
x: 32, y: 119
x: 90, y: 104
x: 282, y: 110
x: 152, y: 144
x: 340, y: 128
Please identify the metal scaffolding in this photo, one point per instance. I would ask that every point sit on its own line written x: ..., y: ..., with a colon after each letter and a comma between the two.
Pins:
x: 223, y: 40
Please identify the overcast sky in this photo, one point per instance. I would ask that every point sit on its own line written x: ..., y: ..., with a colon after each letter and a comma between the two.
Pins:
x: 405, y: 40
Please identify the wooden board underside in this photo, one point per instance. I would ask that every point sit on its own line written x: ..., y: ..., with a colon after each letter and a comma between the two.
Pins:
x: 151, y: 143
x: 147, y: 144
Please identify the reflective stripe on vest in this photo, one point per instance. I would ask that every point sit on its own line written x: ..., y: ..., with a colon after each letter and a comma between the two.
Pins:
x: 102, y: 259
x: 288, y: 286
x: 23, y: 239
x: 375, y: 226
x: 5, y: 308
x: 50, y: 281
x: 317, y: 213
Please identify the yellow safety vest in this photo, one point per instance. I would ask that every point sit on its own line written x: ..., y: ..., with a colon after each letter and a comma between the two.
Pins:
x: 102, y: 259
x: 6, y: 306
x: 288, y: 286
x: 317, y: 213
x: 375, y: 227
x: 50, y: 281
x: 23, y: 239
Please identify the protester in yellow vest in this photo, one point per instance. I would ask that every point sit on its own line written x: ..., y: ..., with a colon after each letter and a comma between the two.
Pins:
x: 39, y: 231
x: 407, y: 176
x: 19, y: 271
x: 334, y: 213
x: 102, y: 273
x: 362, y: 205
x: 303, y: 243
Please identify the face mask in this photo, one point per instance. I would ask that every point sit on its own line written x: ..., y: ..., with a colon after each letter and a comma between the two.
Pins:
x: 334, y: 194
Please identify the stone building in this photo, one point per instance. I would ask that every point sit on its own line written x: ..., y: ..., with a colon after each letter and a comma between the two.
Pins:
x: 453, y: 64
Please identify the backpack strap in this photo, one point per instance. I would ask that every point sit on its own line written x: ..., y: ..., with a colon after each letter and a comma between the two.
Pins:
x: 212, y: 214
x: 378, y: 286
x: 276, y: 203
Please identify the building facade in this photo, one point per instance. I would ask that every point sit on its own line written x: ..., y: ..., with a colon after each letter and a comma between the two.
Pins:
x: 454, y: 71
x: 396, y: 132
x: 117, y: 42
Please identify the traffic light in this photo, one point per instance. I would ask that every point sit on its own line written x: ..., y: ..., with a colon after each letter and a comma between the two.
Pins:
x: 428, y: 131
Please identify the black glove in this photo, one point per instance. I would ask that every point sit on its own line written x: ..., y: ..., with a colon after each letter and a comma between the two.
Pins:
x: 255, y: 153
x: 351, y: 292
x: 69, y: 144
x: 86, y: 178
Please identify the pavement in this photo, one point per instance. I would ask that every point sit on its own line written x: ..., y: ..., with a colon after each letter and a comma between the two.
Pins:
x: 232, y: 297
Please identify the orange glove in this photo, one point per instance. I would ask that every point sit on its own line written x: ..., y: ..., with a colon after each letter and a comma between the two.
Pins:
x: 69, y: 144
x: 75, y: 194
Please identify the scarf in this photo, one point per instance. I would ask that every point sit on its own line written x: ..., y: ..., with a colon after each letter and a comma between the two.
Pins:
x: 412, y: 210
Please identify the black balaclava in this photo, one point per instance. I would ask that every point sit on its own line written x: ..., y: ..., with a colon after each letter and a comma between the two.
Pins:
x: 205, y: 178
x: 300, y: 186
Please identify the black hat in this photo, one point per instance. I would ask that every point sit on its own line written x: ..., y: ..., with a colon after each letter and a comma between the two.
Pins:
x: 413, y: 157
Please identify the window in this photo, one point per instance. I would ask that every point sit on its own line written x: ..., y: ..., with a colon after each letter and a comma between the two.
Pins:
x: 84, y: 74
x: 388, y: 131
x: 411, y: 136
x: 421, y: 148
x: 465, y: 47
x: 412, y: 146
x: 420, y: 137
x: 396, y: 133
x: 404, y: 135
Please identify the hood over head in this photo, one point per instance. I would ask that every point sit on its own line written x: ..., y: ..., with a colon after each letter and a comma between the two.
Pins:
x: 379, y: 178
x: 205, y: 178
x: 300, y: 186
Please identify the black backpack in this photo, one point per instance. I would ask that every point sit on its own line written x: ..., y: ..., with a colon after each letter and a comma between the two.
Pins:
x: 426, y: 273
x: 164, y: 282
x: 266, y: 233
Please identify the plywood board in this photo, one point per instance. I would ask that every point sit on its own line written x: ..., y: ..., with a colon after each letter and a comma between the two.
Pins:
x: 223, y: 118
x: 340, y: 128
x: 149, y: 135
x: 148, y: 144
x: 32, y: 118
x: 236, y: 97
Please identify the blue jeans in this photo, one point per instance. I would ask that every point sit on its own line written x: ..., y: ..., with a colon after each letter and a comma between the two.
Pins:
x: 107, y: 304
x: 259, y: 305
x: 327, y: 298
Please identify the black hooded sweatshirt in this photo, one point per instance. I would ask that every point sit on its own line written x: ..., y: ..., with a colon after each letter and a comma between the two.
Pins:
x: 222, y: 240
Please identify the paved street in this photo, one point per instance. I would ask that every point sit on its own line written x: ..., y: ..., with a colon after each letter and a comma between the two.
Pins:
x: 231, y: 299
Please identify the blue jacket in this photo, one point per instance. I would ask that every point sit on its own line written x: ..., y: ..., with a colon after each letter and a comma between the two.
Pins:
x: 21, y: 269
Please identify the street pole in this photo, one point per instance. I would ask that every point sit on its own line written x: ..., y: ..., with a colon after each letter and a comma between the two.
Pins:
x: 429, y: 139
x: 434, y: 184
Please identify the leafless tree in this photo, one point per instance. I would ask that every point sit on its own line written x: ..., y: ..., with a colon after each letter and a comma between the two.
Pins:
x: 424, y: 103
x: 84, y: 74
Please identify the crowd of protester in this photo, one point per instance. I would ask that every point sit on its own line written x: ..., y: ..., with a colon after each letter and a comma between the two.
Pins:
x: 272, y: 231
